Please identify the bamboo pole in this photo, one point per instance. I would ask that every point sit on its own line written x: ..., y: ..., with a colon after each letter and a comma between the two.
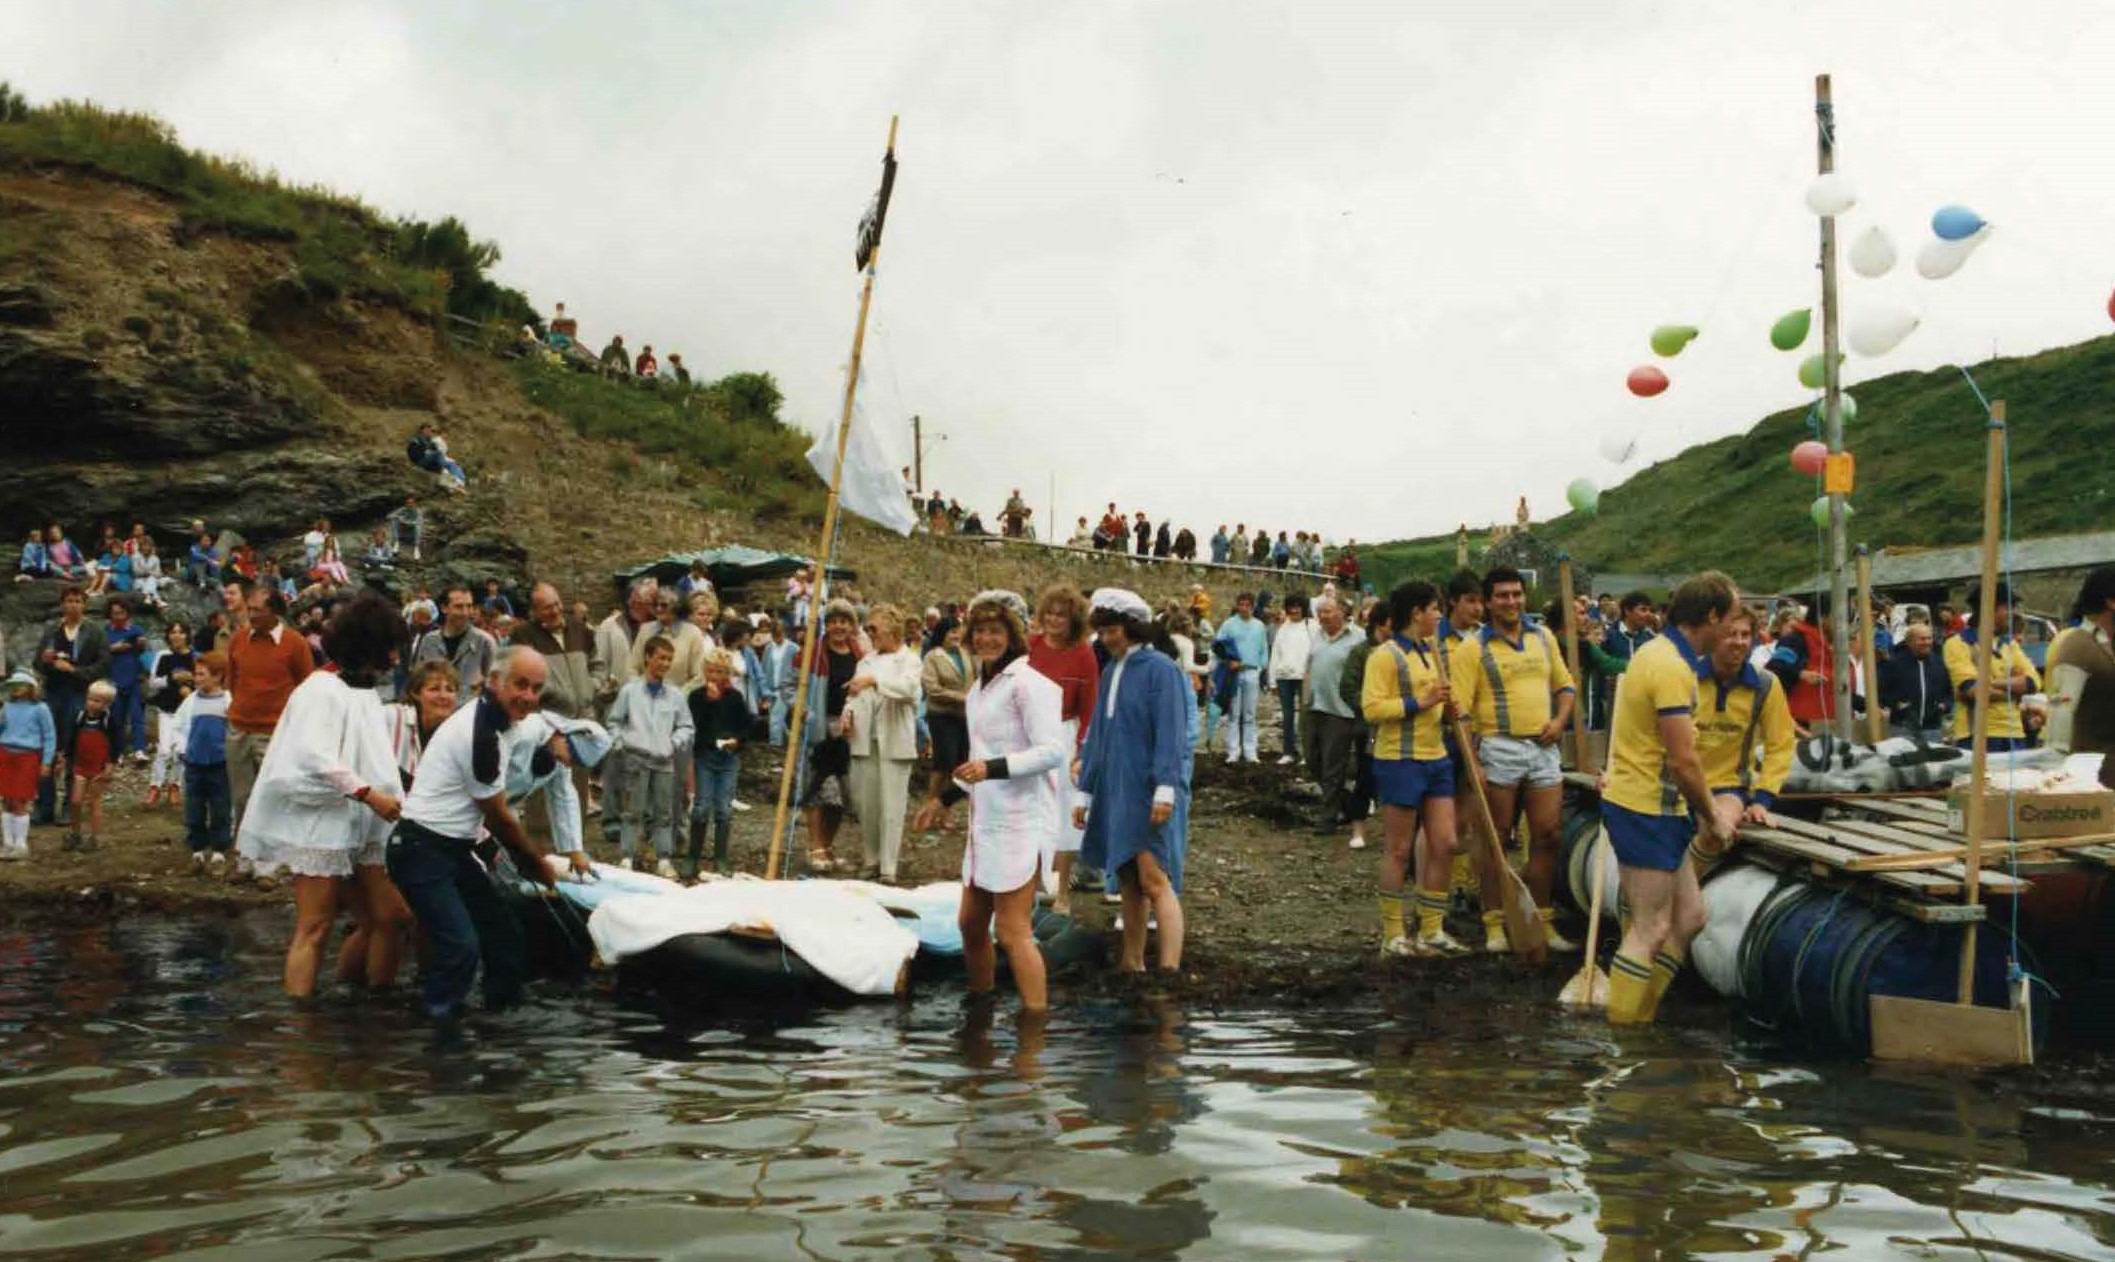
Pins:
x: 1581, y: 756
x: 1832, y: 411
x: 1868, y: 650
x: 797, y: 721
x: 1986, y: 633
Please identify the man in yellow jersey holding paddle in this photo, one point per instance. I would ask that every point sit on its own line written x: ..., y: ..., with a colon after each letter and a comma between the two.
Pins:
x: 1744, y: 736
x: 1657, y: 796
x: 1510, y: 681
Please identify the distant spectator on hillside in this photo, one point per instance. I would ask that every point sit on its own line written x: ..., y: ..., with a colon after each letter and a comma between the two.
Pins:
x: 615, y: 358
x: 1082, y: 536
x: 242, y: 562
x: 1259, y: 552
x: 695, y: 581
x: 648, y: 367
x: 973, y: 524
x: 312, y: 542
x: 676, y: 368
x: 1185, y: 545
x: 495, y: 601
x: 408, y: 522
x: 381, y: 553
x: 565, y: 330
x: 1221, y: 542
x: 147, y: 574
x: 1347, y: 565
x: 428, y: 450
x: 330, y: 566
x: 202, y: 564
x: 1164, y: 541
x: 36, y: 559
x: 66, y: 560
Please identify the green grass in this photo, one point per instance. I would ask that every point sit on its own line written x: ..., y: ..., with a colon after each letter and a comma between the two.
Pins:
x: 341, y: 247
x: 1736, y: 504
x: 725, y: 435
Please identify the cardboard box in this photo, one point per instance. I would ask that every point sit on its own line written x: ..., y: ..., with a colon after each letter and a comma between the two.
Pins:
x: 2036, y: 814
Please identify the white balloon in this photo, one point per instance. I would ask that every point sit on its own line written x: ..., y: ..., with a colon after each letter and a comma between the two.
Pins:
x: 1940, y: 258
x: 1872, y: 254
x: 1618, y: 446
x: 1831, y: 194
x: 1882, y: 329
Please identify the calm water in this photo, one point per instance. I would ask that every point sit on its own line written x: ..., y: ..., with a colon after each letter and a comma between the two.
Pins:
x: 157, y: 1098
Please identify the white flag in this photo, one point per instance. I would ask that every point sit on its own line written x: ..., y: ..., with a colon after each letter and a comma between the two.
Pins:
x: 873, y: 488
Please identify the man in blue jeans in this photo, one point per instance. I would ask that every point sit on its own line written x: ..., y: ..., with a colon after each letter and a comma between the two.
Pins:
x: 460, y: 790
x: 1251, y: 650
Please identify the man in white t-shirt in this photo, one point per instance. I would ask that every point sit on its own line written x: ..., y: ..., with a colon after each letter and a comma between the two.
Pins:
x: 460, y: 790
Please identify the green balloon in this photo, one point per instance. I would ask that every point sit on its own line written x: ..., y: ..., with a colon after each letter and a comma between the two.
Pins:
x: 1669, y: 339
x: 1847, y: 407
x: 1583, y: 496
x: 1790, y: 331
x: 1813, y: 373
x: 1819, y: 511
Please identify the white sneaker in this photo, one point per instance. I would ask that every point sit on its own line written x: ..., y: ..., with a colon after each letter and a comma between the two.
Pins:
x: 14, y: 852
x: 1397, y: 947
x: 740, y: 805
x: 1286, y: 761
x: 1557, y: 941
x: 1497, y: 942
x: 666, y: 870
x: 1358, y: 841
x: 1441, y: 944
x: 1231, y: 759
x: 626, y: 864
x: 217, y: 861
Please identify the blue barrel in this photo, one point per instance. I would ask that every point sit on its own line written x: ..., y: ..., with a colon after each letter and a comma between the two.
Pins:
x: 1810, y: 962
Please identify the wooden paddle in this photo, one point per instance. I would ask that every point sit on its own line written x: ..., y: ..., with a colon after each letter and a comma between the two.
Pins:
x: 1523, y: 924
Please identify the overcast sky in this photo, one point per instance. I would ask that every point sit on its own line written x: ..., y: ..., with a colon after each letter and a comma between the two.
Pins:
x: 1369, y: 269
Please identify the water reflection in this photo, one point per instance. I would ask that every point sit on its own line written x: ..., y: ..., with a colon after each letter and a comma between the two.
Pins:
x: 157, y: 1096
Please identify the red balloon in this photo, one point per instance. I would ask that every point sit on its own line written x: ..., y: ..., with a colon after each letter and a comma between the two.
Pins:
x: 2111, y: 306
x: 1646, y: 381
x: 1810, y: 457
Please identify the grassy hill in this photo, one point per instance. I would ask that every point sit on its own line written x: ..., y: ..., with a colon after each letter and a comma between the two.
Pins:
x: 183, y: 336
x: 1736, y: 503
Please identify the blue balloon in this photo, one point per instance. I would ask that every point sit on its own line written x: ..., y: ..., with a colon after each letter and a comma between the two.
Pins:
x: 1955, y: 223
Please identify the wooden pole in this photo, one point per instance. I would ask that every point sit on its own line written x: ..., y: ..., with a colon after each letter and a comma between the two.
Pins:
x: 796, y: 722
x: 1832, y: 410
x: 1582, y: 757
x: 1986, y: 633
x: 918, y: 454
x: 1868, y: 650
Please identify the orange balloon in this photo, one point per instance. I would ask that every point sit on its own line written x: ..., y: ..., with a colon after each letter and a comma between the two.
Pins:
x: 1646, y: 381
x: 1810, y: 457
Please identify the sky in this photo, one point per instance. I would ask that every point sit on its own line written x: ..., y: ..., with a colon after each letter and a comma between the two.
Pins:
x: 1366, y: 269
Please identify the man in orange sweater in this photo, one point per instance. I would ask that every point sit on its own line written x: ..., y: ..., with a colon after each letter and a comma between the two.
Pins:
x: 266, y: 660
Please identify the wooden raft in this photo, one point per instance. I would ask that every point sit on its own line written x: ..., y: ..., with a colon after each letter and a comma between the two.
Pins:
x: 1925, y: 818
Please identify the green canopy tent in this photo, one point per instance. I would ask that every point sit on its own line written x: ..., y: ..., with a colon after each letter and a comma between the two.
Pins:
x: 730, y: 568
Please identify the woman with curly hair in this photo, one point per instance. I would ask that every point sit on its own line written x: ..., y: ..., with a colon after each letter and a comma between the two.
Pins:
x: 1059, y: 651
x: 829, y: 753
x: 1018, y: 747
x: 326, y: 793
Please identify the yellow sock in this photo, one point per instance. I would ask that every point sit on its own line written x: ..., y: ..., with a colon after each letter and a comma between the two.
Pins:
x: 1493, y: 923
x: 1460, y: 874
x: 1665, y: 966
x: 1628, y: 985
x: 1391, y: 915
x: 1431, y: 914
x: 1547, y: 914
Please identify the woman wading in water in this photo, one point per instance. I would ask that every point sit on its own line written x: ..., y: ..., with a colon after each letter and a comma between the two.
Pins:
x: 325, y: 795
x: 1017, y: 749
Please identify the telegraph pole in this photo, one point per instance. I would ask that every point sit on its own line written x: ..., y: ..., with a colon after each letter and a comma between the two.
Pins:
x: 917, y: 455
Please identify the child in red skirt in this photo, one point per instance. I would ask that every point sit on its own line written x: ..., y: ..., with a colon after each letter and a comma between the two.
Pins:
x: 89, y: 756
x: 28, y: 741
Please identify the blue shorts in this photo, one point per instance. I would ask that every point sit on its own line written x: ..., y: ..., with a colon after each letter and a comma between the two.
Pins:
x: 1997, y: 744
x: 1657, y: 842
x: 1409, y: 781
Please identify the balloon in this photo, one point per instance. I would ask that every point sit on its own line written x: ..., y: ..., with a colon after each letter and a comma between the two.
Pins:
x: 1955, y: 223
x: 1831, y: 194
x: 1819, y: 512
x: 1669, y: 339
x: 1619, y: 446
x: 1791, y: 329
x: 1809, y: 457
x: 1877, y: 332
x: 1813, y: 373
x: 2111, y: 306
x: 1846, y: 407
x: 1940, y: 258
x: 1646, y: 381
x: 1872, y: 254
x: 1582, y: 495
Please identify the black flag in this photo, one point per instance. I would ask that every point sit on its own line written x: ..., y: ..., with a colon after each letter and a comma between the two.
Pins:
x: 877, y: 214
